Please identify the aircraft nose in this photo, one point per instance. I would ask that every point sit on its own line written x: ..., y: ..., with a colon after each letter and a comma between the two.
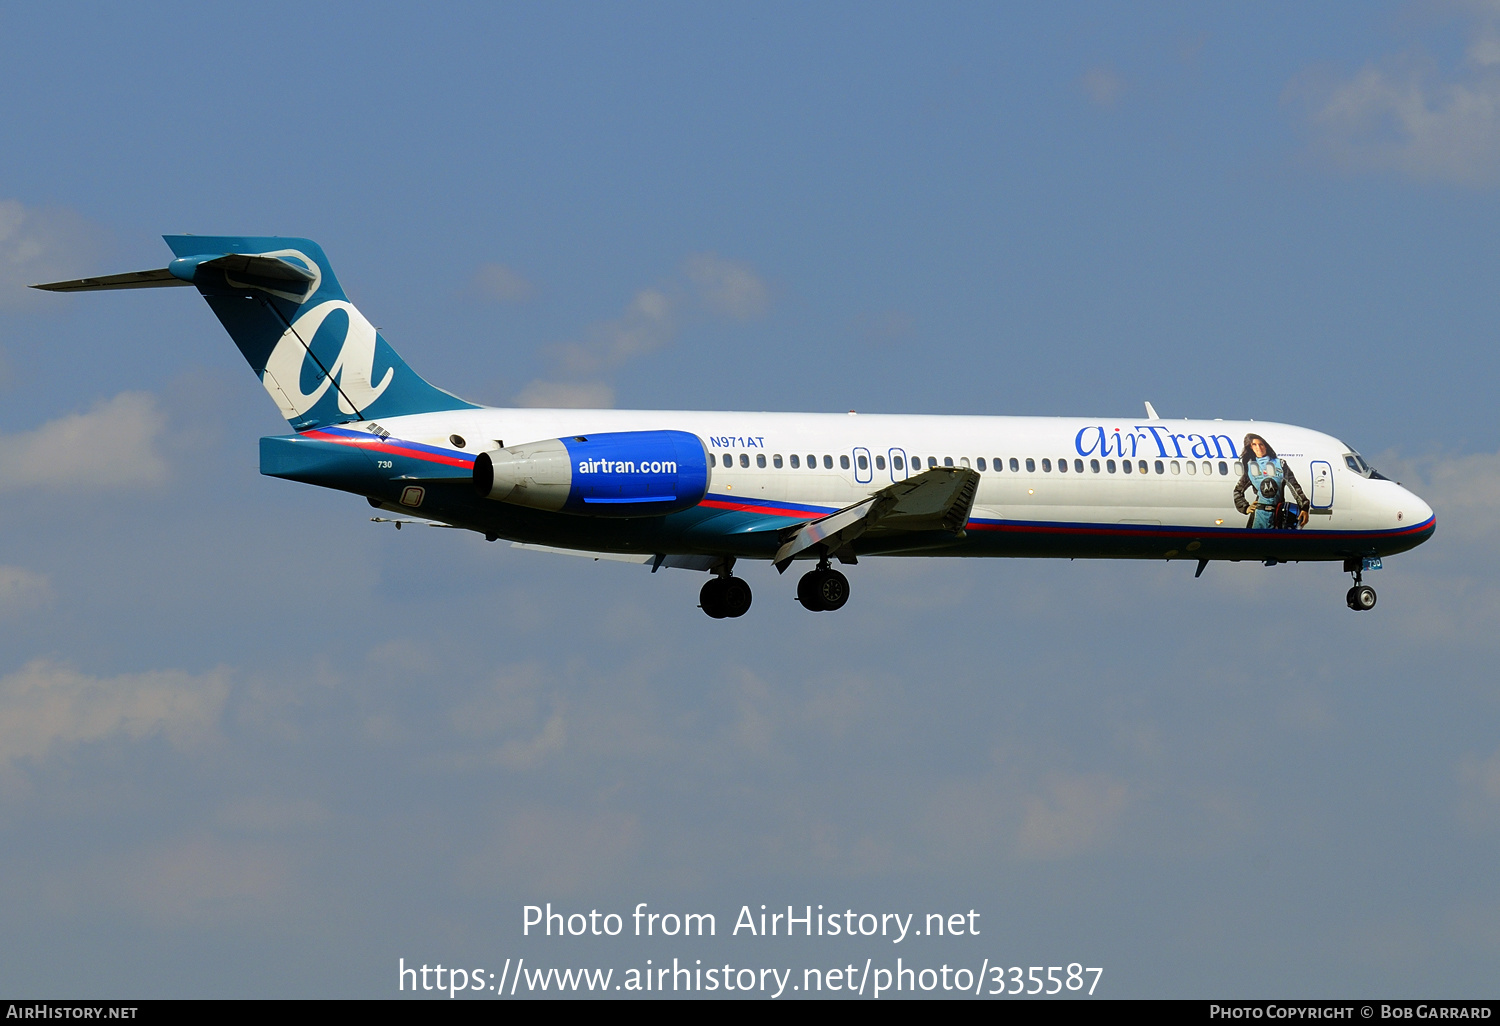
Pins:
x: 1412, y: 510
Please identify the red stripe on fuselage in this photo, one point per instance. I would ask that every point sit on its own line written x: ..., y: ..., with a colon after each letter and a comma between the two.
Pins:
x: 375, y: 443
x: 773, y: 511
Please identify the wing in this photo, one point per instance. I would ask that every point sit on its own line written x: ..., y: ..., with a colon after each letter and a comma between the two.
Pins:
x: 934, y: 500
x: 657, y: 560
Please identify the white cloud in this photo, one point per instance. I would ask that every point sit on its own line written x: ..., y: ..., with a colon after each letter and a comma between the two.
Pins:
x: 201, y: 879
x: 649, y: 323
x: 503, y: 284
x: 1464, y: 492
x: 646, y: 325
x: 567, y: 395
x: 45, y: 705
x: 1406, y: 115
x: 1072, y: 814
x: 727, y: 287
x: 38, y: 245
x: 1102, y: 86
x: 559, y: 851
x: 114, y: 445
x: 22, y: 590
x: 512, y: 708
x: 266, y: 814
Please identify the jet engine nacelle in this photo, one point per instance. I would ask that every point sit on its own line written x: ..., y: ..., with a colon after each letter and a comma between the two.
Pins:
x: 618, y: 474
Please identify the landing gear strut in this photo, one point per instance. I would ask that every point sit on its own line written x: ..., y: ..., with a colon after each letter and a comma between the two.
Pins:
x: 725, y: 596
x: 1360, y: 597
x: 823, y: 589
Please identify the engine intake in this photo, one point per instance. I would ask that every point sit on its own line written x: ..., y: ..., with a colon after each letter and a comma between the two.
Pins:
x: 617, y: 474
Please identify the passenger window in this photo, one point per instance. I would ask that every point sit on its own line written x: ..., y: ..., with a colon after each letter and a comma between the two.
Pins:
x: 812, y: 463
x: 932, y: 461
x: 999, y: 463
x: 879, y: 462
x: 1192, y: 468
x: 827, y: 462
x: 1125, y: 465
x: 1015, y: 464
x: 760, y: 460
x: 1159, y: 468
x: 980, y: 464
x: 1224, y: 469
x: 1109, y: 465
x: 776, y: 461
x: 711, y: 461
x: 862, y: 463
x: 843, y: 463
x: 898, y: 463
x: 1046, y: 466
x: 745, y: 460
x: 1062, y: 466
x: 1094, y: 466
x: 1208, y: 469
x: 1078, y: 466
x: 947, y: 461
x: 796, y: 463
x: 963, y: 461
x: 1176, y: 467
x: 1030, y: 465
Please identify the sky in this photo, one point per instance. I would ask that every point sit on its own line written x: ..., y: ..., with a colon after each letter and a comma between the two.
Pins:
x: 252, y: 744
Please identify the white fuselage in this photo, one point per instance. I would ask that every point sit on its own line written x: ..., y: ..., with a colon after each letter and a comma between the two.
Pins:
x: 1181, y: 473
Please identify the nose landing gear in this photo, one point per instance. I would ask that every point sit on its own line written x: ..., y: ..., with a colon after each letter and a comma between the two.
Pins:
x: 1361, y: 597
x: 823, y: 589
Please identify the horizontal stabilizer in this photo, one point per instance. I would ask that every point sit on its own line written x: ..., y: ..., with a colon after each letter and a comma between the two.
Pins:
x: 935, y: 500
x: 158, y: 279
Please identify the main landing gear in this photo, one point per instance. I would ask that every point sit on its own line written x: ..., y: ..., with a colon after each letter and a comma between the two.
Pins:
x: 1360, y: 597
x: 823, y: 589
x: 725, y: 596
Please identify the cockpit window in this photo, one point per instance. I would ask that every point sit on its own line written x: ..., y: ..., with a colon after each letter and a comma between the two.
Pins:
x: 1355, y: 462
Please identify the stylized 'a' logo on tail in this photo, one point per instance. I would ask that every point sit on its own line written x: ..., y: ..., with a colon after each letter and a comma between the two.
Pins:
x: 349, y: 374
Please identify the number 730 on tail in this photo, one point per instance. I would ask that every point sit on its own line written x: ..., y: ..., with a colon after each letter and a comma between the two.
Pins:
x: 706, y: 491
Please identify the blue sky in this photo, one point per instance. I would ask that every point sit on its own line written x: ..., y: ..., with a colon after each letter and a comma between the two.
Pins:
x: 252, y: 744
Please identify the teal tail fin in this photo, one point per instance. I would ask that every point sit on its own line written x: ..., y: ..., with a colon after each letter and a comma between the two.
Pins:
x: 320, y: 359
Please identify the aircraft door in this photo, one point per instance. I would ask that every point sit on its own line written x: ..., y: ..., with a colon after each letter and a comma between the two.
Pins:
x: 898, y: 464
x: 863, y: 466
x: 1321, y: 495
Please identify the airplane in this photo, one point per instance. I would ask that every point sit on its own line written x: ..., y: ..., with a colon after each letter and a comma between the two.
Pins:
x: 705, y: 490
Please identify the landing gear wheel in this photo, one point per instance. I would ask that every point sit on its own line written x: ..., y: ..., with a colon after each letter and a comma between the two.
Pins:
x: 807, y: 591
x: 725, y: 597
x: 711, y: 598
x: 833, y: 589
x: 823, y: 589
x: 736, y: 596
x: 1361, y: 597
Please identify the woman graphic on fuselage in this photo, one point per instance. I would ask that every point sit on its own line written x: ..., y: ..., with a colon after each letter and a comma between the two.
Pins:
x: 1269, y: 479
